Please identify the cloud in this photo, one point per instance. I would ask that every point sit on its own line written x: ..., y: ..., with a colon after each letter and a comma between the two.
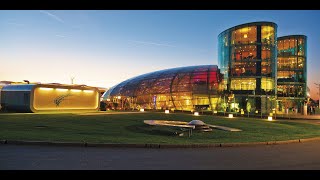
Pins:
x: 53, y: 16
x: 15, y: 24
x: 61, y: 36
x: 152, y: 43
x: 169, y: 45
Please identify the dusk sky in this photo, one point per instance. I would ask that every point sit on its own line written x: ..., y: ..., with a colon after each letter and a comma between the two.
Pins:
x: 102, y: 48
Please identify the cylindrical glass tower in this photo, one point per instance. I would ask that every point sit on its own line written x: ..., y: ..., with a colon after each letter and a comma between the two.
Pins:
x: 247, y: 58
x: 292, y: 72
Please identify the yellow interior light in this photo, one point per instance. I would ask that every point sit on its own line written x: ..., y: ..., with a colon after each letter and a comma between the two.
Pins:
x: 46, y: 89
x: 59, y: 89
x: 88, y: 91
x: 75, y: 90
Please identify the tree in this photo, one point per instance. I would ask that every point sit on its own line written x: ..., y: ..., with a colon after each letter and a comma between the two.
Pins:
x: 248, y: 106
x: 285, y: 104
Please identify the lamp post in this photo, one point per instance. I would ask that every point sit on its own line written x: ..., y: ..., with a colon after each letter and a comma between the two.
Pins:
x: 248, y: 105
x: 318, y: 92
x: 72, y: 79
x: 267, y: 109
x: 224, y: 104
x: 120, y: 100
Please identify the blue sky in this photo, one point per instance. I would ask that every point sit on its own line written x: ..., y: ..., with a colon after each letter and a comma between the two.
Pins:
x: 104, y: 47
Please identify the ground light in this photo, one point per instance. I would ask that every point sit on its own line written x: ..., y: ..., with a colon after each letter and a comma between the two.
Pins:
x: 166, y: 111
x: 141, y: 110
x: 196, y: 113
x: 269, y: 118
x: 230, y: 116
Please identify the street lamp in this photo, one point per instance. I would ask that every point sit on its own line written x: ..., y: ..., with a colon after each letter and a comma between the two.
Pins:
x: 248, y: 105
x: 120, y: 100
x: 267, y: 108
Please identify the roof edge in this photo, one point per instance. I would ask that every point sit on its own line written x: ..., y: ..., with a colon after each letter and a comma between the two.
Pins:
x: 294, y: 35
x: 246, y: 24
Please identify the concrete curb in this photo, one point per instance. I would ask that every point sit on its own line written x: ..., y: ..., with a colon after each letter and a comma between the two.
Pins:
x: 114, y: 145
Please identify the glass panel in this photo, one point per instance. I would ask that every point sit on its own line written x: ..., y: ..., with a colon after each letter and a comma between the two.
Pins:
x: 301, y: 47
x: 267, y: 84
x: 247, y: 52
x: 243, y: 84
x: 290, y: 91
x: 289, y: 47
x: 287, y: 63
x: 267, y: 35
x: 266, y: 52
x: 246, y: 35
x: 301, y: 63
x: 243, y: 69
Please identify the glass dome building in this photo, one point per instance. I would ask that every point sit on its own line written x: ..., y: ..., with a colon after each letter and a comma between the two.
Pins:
x: 183, y: 88
x: 247, y: 57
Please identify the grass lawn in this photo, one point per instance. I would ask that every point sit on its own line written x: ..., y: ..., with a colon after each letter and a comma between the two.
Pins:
x: 129, y: 128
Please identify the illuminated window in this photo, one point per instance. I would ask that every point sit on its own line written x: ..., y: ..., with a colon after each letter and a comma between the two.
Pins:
x: 267, y: 84
x: 267, y: 35
x: 243, y: 84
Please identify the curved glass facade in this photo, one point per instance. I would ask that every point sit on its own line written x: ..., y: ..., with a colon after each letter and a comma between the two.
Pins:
x: 247, y: 56
x: 184, y: 88
x: 292, y: 71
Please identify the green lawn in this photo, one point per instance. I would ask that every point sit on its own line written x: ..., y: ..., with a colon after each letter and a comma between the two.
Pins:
x: 129, y: 128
